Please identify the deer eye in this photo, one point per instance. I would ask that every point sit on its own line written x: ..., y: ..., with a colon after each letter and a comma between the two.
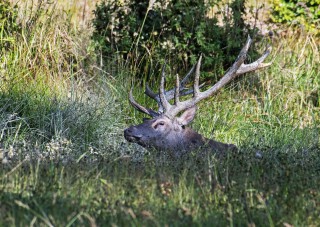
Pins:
x: 161, y: 123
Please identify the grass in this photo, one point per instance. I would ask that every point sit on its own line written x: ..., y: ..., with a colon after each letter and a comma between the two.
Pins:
x: 65, y: 162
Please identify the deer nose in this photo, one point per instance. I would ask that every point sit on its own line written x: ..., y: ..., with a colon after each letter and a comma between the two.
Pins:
x: 128, y: 131
x: 131, y: 131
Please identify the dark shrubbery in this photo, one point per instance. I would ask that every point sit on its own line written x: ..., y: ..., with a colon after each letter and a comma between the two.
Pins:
x: 305, y: 13
x: 178, y: 31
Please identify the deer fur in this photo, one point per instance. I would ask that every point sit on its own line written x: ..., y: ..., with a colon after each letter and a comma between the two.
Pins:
x: 165, y: 134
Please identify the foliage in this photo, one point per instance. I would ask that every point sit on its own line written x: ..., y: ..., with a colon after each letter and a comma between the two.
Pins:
x: 8, y: 23
x: 178, y: 31
x: 305, y: 13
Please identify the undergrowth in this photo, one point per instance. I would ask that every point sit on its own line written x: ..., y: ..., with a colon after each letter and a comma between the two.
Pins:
x: 64, y: 160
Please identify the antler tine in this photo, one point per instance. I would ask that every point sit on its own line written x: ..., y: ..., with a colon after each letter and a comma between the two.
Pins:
x: 164, y: 102
x: 155, y: 97
x: 141, y: 108
x: 186, y: 78
x: 150, y: 93
x: 170, y: 93
x: 258, y: 64
x: 177, y: 92
x: 246, y: 47
x: 236, y: 69
x: 196, y: 89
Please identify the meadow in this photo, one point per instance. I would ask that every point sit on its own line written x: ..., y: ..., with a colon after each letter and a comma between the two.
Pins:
x: 64, y: 161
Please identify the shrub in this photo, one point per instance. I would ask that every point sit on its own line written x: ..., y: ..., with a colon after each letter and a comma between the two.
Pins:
x: 179, y: 31
x: 305, y: 12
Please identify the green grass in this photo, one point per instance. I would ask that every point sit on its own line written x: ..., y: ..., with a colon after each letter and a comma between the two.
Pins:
x: 64, y: 160
x: 277, y: 189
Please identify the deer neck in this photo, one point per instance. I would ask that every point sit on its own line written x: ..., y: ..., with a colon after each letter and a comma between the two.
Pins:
x: 197, y: 142
x: 194, y: 139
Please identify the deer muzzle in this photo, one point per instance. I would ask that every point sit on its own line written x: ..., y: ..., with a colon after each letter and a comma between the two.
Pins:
x: 131, y: 135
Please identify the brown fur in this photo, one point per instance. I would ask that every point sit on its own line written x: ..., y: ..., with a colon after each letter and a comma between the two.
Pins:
x: 164, y: 134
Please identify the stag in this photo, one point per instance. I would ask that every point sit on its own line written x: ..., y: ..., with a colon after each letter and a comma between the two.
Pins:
x: 166, y: 130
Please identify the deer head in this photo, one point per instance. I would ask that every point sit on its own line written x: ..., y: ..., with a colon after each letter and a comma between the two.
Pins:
x: 166, y: 130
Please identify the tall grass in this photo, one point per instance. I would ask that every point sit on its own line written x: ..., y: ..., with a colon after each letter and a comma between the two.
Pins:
x: 48, y: 84
x: 64, y: 161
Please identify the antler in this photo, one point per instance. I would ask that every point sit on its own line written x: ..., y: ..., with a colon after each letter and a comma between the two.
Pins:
x: 169, y: 95
x: 163, y: 97
x: 236, y: 69
x: 141, y: 108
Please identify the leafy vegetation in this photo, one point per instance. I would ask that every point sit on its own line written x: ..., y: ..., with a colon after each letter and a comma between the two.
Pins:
x: 64, y: 160
x: 144, y: 34
x: 305, y: 13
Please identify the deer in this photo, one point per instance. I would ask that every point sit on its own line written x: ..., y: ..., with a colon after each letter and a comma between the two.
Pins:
x: 167, y: 129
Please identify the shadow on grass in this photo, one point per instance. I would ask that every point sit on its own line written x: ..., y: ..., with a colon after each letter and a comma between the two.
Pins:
x: 279, y: 187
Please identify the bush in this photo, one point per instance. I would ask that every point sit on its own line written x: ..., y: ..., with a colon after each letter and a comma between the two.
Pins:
x: 305, y: 13
x: 142, y: 34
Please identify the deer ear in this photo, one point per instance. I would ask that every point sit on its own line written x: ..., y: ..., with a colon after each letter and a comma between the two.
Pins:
x: 187, y: 116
